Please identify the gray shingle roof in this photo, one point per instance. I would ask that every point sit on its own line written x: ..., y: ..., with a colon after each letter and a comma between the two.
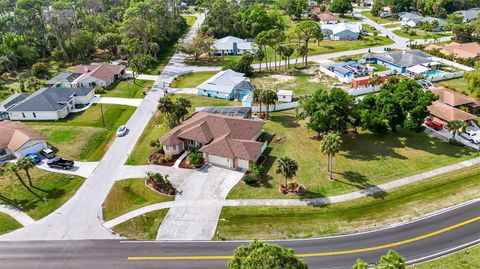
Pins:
x: 63, y: 77
x: 49, y: 99
x: 404, y: 58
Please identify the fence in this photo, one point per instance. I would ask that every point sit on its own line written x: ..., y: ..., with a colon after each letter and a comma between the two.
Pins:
x: 364, y: 90
x: 445, y: 76
x: 278, y: 107
x: 452, y: 63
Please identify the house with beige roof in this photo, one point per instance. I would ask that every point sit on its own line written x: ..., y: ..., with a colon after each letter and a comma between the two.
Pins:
x: 465, y: 51
x: 97, y: 75
x: 18, y: 140
x: 225, y: 141
x: 452, y: 105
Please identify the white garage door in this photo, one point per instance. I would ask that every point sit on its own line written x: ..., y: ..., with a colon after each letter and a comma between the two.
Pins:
x: 216, y: 160
x: 34, y: 148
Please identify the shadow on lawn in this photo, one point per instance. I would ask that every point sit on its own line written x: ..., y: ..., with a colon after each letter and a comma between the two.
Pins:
x: 361, y: 182
x: 287, y: 121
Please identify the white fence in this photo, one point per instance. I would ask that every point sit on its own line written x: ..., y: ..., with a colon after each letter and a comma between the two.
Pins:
x: 278, y: 107
x: 364, y: 90
x: 333, y: 75
x: 446, y: 76
x: 451, y: 63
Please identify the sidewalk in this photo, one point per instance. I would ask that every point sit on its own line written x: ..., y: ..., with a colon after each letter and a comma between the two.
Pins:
x: 16, y: 214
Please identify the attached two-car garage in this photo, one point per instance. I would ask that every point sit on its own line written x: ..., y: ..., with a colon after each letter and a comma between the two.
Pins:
x: 32, y: 146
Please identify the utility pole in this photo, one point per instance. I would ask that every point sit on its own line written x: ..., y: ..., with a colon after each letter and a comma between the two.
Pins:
x: 103, y: 118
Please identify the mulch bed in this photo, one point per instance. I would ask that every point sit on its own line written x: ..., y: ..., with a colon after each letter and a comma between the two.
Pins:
x: 152, y: 159
x: 184, y: 164
x: 152, y: 185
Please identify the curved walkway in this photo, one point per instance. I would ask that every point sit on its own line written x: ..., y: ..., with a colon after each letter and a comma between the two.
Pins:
x: 16, y: 214
x: 376, y: 190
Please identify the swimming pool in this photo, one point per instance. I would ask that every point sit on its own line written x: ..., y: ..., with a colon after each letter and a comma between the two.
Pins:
x: 434, y: 73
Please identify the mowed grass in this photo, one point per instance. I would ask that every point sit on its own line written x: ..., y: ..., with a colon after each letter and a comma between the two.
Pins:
x: 379, y: 20
x: 460, y: 85
x: 157, y: 127
x: 8, y: 224
x: 57, y: 188
x: 190, y: 20
x: 420, y: 34
x: 81, y: 136
x: 365, y: 159
x: 130, y: 194
x: 144, y: 227
x: 191, y: 80
x: 463, y: 259
x: 401, y: 204
x: 128, y: 89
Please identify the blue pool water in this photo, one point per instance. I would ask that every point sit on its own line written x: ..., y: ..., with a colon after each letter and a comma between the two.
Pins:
x: 433, y: 73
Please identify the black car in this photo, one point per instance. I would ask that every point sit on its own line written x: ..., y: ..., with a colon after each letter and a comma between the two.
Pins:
x: 60, y: 163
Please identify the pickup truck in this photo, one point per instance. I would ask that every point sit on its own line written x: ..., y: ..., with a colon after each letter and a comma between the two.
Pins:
x: 60, y: 163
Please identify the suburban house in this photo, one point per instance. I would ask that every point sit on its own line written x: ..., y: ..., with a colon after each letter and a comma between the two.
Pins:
x: 466, y: 50
x: 409, y: 19
x: 414, y: 61
x: 285, y: 96
x: 97, y: 75
x: 226, y: 84
x: 45, y: 104
x: 385, y: 13
x: 18, y: 140
x: 342, y: 31
x: 429, y: 20
x: 63, y: 80
x: 231, y: 45
x: 469, y: 14
x: 345, y: 71
x: 453, y: 106
x: 224, y: 141
x: 326, y: 18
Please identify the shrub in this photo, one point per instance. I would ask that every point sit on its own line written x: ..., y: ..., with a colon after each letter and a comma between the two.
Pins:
x: 168, y: 158
x: 161, y: 182
x: 40, y: 70
x: 195, y: 157
x: 99, y: 90
x: 249, y: 180
x: 255, y: 169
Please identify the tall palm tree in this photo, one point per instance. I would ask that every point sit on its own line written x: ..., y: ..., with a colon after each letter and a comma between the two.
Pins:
x: 258, y: 97
x: 281, y: 53
x: 288, y: 52
x: 26, y: 164
x: 331, y: 145
x: 259, y: 55
x: 287, y: 167
x: 14, y: 168
x: 375, y: 80
x: 269, y: 97
x: 456, y: 126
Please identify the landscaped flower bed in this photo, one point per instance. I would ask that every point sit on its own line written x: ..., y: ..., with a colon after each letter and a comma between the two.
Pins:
x: 159, y: 158
x: 187, y: 165
x: 160, y: 183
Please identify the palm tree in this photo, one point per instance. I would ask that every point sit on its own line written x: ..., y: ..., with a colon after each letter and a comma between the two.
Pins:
x: 281, y: 53
x: 258, y: 97
x: 14, y: 168
x: 288, y: 52
x: 375, y: 80
x: 287, y: 167
x: 331, y: 145
x: 26, y: 164
x: 456, y: 126
x: 269, y: 97
x: 259, y: 55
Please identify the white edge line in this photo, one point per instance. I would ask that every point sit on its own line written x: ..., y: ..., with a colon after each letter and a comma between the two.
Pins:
x: 444, y: 252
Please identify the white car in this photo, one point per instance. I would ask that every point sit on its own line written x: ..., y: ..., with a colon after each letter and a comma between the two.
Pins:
x: 122, y: 131
x: 472, y: 136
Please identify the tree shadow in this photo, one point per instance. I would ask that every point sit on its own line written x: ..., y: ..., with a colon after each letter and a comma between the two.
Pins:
x: 361, y: 182
x: 369, y: 146
x: 287, y: 121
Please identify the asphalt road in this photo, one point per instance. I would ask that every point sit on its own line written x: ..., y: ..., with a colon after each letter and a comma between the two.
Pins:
x: 440, y: 233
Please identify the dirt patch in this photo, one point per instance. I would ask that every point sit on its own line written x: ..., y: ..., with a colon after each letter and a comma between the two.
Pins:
x: 282, y: 78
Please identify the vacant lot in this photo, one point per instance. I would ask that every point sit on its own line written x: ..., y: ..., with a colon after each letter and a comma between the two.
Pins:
x: 82, y: 136
x: 144, y: 227
x: 8, y: 224
x: 156, y: 127
x: 56, y: 188
x: 379, y: 20
x: 128, y: 89
x: 130, y: 194
x: 365, y: 159
x: 401, y: 204
x: 191, y: 80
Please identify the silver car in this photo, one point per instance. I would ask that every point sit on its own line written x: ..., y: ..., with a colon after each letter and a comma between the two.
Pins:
x: 122, y: 131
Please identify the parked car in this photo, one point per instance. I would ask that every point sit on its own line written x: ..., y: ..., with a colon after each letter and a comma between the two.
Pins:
x: 122, y: 131
x: 60, y: 163
x: 35, y: 157
x: 472, y: 136
x: 47, y: 153
x: 434, y: 125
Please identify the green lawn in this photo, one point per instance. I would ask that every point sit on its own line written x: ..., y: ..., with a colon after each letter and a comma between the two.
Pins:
x: 57, y: 188
x: 191, y: 80
x: 379, y: 67
x: 459, y: 85
x: 130, y: 194
x: 81, y: 136
x: 463, y: 259
x: 419, y: 34
x: 368, y: 28
x: 213, y: 61
x: 190, y: 20
x: 365, y: 159
x: 144, y: 227
x: 393, y: 25
x: 379, y: 20
x: 156, y: 127
x: 8, y: 224
x: 128, y: 89
x: 355, y: 57
x: 368, y: 213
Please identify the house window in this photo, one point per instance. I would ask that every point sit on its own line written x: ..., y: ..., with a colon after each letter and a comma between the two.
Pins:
x: 23, y: 114
x: 34, y: 115
x: 3, y: 152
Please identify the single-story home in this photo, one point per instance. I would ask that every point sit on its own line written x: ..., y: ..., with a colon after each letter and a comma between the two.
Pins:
x: 429, y: 20
x: 400, y: 61
x: 466, y: 50
x: 469, y: 14
x: 63, y: 80
x: 346, y: 71
x: 97, y: 75
x: 232, y: 111
x: 224, y: 141
x: 452, y: 105
x: 410, y: 19
x: 385, y: 13
x: 231, y: 45
x: 46, y: 103
x: 226, y: 84
x: 342, y: 31
x: 285, y: 96
x: 18, y: 140
x: 326, y: 17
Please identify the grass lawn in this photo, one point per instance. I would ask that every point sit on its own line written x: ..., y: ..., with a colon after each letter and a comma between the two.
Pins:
x: 81, y: 136
x: 379, y: 20
x: 191, y: 80
x: 379, y: 67
x: 355, y: 57
x: 144, y: 227
x: 130, y: 194
x: 463, y: 259
x: 365, y: 159
x: 368, y: 213
x: 459, y: 85
x: 57, y: 188
x: 419, y: 34
x: 213, y: 61
x: 8, y: 224
x: 128, y: 89
x: 190, y: 20
x: 156, y: 127
x: 393, y: 25
x: 368, y: 28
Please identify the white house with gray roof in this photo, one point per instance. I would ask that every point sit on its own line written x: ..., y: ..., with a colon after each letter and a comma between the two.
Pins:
x: 231, y: 45
x: 401, y: 61
x: 410, y: 19
x: 342, y: 31
x: 226, y: 84
x: 469, y: 14
x: 45, y: 104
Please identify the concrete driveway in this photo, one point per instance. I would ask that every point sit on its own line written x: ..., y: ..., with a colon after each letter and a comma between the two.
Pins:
x: 82, y: 169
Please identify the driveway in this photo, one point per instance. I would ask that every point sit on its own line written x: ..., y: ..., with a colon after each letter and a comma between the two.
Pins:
x: 82, y: 169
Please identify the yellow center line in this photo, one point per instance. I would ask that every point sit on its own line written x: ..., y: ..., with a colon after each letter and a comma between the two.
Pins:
x: 321, y: 254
